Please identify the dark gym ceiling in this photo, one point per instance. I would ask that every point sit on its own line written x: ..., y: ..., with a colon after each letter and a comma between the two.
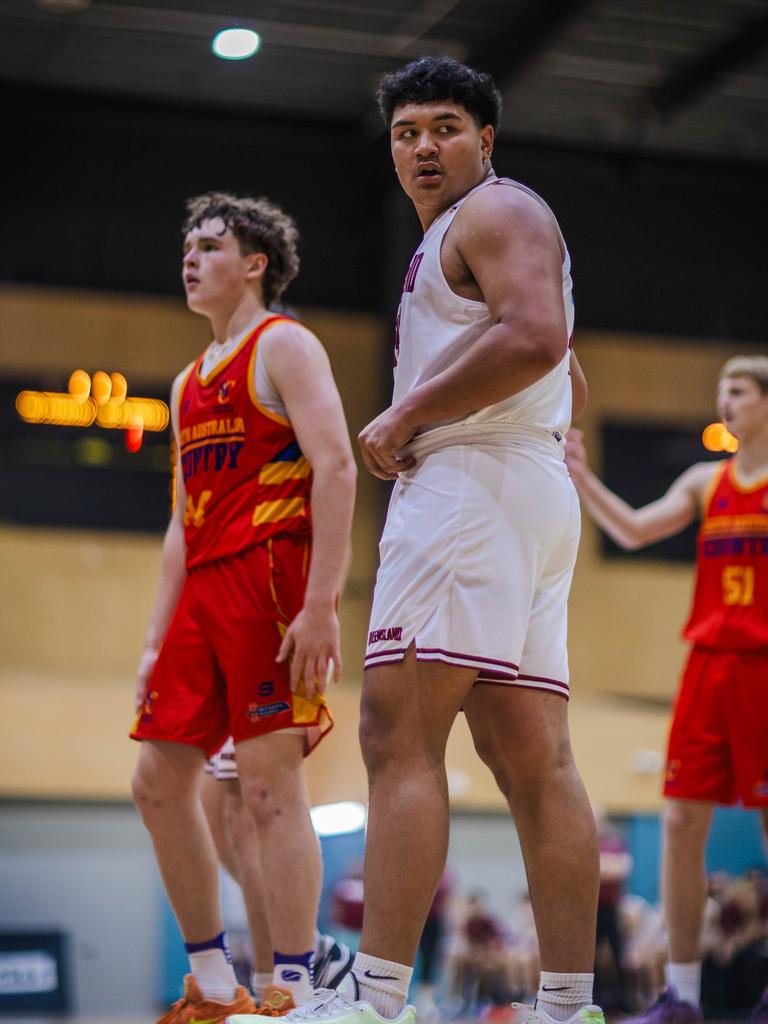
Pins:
x: 682, y: 77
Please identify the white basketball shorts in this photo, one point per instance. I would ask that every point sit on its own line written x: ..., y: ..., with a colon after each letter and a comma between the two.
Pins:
x: 476, y: 561
x: 223, y: 764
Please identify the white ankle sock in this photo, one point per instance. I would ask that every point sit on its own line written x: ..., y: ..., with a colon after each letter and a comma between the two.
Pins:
x: 561, y: 995
x: 687, y: 980
x: 259, y: 981
x: 296, y: 976
x: 382, y: 983
x: 214, y: 974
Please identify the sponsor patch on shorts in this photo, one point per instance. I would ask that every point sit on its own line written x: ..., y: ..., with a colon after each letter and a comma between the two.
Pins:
x: 265, y: 710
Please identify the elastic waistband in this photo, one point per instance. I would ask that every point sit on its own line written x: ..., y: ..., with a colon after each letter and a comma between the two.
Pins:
x: 504, y: 435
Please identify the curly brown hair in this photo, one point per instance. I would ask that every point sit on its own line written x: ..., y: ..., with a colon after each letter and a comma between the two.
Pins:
x: 259, y: 226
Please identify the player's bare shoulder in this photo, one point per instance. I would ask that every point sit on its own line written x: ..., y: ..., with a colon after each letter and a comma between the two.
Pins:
x: 502, y: 226
x: 289, y: 342
x: 501, y: 210
x: 697, y: 480
x: 292, y: 352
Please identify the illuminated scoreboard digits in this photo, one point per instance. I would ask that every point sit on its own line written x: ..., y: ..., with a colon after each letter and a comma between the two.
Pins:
x: 102, y: 400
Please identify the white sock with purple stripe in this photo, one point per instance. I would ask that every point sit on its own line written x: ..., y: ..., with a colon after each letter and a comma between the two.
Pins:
x: 211, y: 964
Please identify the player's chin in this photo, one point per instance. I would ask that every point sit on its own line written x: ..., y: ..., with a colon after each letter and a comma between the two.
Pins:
x: 196, y: 302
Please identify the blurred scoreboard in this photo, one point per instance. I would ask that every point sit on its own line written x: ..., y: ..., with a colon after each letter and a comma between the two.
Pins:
x: 83, y: 476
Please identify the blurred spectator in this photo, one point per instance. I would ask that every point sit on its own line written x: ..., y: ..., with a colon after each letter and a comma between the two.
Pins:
x: 477, y: 965
x: 615, y: 866
x: 431, y: 948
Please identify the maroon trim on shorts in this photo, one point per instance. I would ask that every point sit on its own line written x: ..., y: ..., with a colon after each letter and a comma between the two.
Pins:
x: 514, y: 684
x: 379, y: 658
x: 544, y: 679
x: 452, y: 664
x: 467, y: 657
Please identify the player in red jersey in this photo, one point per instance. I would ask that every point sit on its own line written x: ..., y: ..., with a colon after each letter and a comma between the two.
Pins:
x: 244, y: 630
x: 718, y: 753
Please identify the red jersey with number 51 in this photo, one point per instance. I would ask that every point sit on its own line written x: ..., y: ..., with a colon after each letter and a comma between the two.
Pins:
x: 245, y: 476
x: 730, y: 600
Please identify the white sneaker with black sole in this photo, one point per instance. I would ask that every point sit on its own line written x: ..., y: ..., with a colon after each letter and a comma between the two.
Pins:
x: 333, y: 961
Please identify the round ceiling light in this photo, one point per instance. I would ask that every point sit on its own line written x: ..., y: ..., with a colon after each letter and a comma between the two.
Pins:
x: 236, y: 43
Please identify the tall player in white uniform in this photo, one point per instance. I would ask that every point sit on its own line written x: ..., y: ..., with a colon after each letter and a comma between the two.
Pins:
x: 477, y: 554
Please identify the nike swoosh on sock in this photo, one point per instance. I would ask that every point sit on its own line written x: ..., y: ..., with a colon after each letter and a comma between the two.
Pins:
x: 379, y: 977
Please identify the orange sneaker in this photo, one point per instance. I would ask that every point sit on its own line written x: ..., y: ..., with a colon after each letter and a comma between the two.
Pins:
x: 275, y: 1002
x: 194, y: 1009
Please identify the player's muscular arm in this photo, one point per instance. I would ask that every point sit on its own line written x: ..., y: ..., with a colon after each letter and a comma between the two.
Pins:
x: 172, y: 568
x: 510, y: 248
x: 299, y: 368
x: 629, y: 527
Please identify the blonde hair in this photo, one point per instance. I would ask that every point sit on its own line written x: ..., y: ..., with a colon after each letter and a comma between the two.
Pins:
x: 755, y: 367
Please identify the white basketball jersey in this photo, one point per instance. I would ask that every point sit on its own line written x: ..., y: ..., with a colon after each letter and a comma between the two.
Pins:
x: 435, y: 327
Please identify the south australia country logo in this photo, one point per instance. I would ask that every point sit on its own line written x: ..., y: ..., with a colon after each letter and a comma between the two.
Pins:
x: 225, y: 391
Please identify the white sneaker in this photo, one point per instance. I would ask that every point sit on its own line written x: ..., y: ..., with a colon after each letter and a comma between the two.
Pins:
x: 586, y: 1015
x: 333, y: 961
x: 335, y: 1007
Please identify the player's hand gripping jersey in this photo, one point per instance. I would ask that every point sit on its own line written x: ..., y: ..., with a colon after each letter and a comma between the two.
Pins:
x: 730, y: 602
x: 245, y: 477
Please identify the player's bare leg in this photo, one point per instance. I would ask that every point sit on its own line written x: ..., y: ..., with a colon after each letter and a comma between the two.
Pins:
x: 166, y: 789
x: 236, y: 840
x: 213, y: 799
x: 243, y: 837
x: 522, y: 736
x: 684, y: 876
x: 275, y: 795
x: 406, y: 715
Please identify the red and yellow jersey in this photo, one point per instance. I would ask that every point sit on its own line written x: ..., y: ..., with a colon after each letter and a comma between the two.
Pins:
x: 730, y: 600
x: 245, y: 476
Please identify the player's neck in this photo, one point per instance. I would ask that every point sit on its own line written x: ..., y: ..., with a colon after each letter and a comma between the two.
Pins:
x: 428, y: 215
x: 751, y: 460
x: 230, y: 321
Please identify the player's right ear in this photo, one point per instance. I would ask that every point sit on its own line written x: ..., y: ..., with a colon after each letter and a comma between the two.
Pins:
x: 258, y: 263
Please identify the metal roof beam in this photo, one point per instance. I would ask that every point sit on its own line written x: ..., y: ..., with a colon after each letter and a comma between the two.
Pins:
x: 687, y: 83
x: 521, y: 35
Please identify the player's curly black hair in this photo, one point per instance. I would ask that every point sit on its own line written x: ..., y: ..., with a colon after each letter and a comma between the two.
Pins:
x: 259, y: 226
x: 441, y: 78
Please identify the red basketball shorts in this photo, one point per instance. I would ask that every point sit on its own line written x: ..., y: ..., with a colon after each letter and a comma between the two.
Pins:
x: 718, y: 740
x: 216, y: 675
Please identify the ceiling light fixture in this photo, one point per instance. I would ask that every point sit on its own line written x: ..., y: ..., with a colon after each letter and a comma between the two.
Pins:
x: 236, y: 43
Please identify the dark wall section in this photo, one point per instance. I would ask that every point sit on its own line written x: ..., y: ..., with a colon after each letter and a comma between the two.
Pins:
x: 96, y: 188
x: 97, y: 192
